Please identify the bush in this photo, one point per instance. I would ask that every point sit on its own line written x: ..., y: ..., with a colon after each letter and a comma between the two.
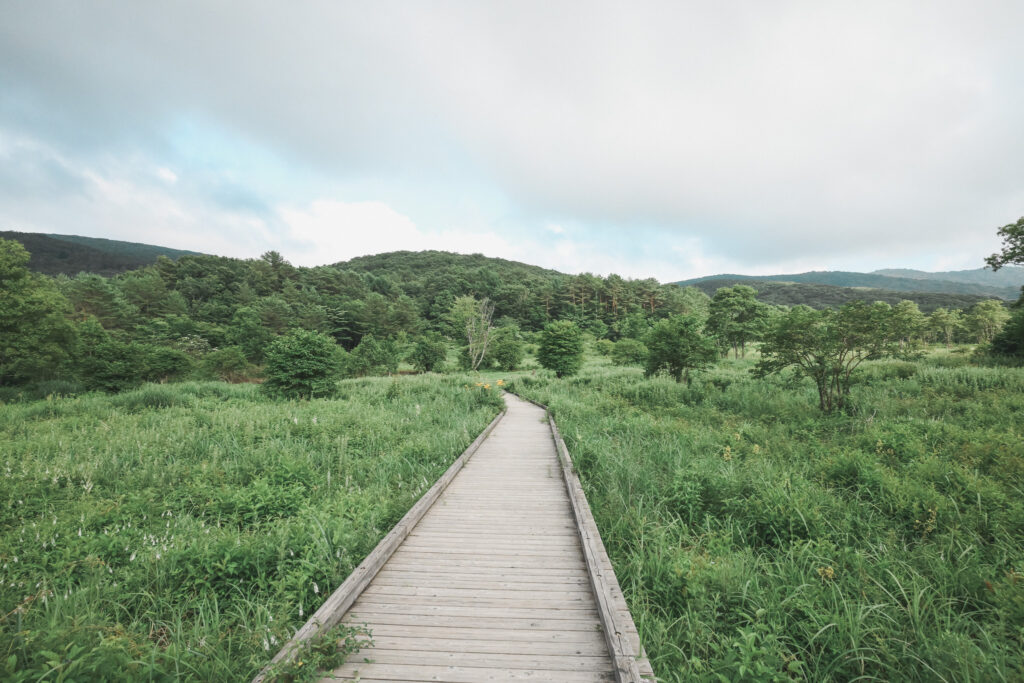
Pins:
x: 506, y: 349
x: 561, y: 348
x: 163, y: 363
x: 228, y: 364
x: 629, y: 352
x: 428, y: 353
x: 301, y: 364
x: 604, y: 347
x: 374, y: 357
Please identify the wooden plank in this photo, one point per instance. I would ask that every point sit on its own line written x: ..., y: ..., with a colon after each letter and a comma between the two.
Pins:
x: 462, y: 674
x: 536, y: 593
x: 530, y: 625
x: 333, y: 609
x: 594, y: 647
x: 485, y: 660
x: 474, y: 611
x: 569, y: 640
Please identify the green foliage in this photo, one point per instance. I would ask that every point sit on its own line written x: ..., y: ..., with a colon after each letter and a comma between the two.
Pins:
x: 301, y: 364
x: 629, y: 351
x: 1010, y: 340
x: 986, y: 319
x: 315, y: 657
x: 506, y: 348
x: 789, y: 293
x: 561, y: 348
x: 604, y: 347
x: 757, y: 540
x: 228, y: 364
x: 1013, y: 246
x: 247, y: 332
x: 187, y: 530
x: 374, y: 357
x: 163, y: 364
x: 828, y: 346
x: 35, y: 336
x: 736, y: 317
x: 676, y: 346
x: 428, y: 353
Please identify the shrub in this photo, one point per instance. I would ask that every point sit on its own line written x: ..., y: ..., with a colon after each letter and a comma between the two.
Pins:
x: 163, y: 363
x: 228, y: 364
x: 629, y: 352
x: 561, y: 348
x: 373, y: 357
x: 301, y: 364
x: 428, y: 353
x: 506, y: 351
x: 604, y: 347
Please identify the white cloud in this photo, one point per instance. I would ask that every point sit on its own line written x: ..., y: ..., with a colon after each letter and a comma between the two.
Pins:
x: 758, y: 135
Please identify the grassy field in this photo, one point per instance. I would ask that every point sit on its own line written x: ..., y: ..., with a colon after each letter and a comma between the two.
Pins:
x: 758, y: 540
x: 185, y: 531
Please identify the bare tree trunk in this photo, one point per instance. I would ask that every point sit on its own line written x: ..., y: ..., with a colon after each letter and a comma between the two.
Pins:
x: 478, y: 333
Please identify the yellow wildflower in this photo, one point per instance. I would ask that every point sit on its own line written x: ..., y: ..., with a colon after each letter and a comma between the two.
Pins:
x: 501, y: 382
x: 826, y: 573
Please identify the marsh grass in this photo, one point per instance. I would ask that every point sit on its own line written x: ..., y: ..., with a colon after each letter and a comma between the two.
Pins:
x: 759, y: 540
x: 185, y: 531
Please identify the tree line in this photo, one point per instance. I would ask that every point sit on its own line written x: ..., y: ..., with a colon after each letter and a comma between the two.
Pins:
x: 238, y: 319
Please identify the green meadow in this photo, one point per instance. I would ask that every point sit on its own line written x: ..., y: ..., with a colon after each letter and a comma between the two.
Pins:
x: 185, y: 531
x: 757, y: 539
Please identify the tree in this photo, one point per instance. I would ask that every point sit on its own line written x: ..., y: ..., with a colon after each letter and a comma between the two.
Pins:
x: 247, y: 332
x: 301, y: 364
x: 471, y: 319
x: 374, y: 356
x: 428, y: 353
x: 1010, y: 340
x: 561, y: 348
x: 228, y: 364
x: 506, y: 351
x: 945, y: 323
x: 736, y: 317
x: 1013, y: 246
x: 908, y: 324
x: 35, y: 335
x: 675, y: 345
x: 827, y: 346
x: 629, y: 352
x: 986, y: 318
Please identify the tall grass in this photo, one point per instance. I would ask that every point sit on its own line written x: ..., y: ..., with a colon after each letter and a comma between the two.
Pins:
x: 759, y: 540
x: 185, y: 531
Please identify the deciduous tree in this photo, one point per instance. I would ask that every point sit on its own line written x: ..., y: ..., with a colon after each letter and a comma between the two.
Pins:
x: 561, y: 348
x: 827, y: 346
x: 676, y: 346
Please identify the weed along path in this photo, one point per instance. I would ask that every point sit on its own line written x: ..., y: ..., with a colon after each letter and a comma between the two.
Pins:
x: 501, y: 577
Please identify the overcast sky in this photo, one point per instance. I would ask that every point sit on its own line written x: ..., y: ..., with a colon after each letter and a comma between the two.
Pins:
x: 670, y: 139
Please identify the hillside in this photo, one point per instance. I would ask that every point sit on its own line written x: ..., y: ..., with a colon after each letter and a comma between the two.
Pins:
x: 827, y: 296
x: 974, y: 283
x: 71, y: 254
x: 1007, y: 276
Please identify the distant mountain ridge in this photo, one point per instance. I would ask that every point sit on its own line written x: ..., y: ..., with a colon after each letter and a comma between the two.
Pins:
x: 1007, y: 276
x: 1004, y: 284
x: 72, y: 254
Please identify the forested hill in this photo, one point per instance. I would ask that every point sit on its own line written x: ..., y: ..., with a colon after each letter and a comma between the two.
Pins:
x: 1007, y: 276
x: 72, y: 254
x: 829, y: 296
x: 1005, y: 286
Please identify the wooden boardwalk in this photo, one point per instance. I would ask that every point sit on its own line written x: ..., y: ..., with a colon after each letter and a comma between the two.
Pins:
x: 499, y: 580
